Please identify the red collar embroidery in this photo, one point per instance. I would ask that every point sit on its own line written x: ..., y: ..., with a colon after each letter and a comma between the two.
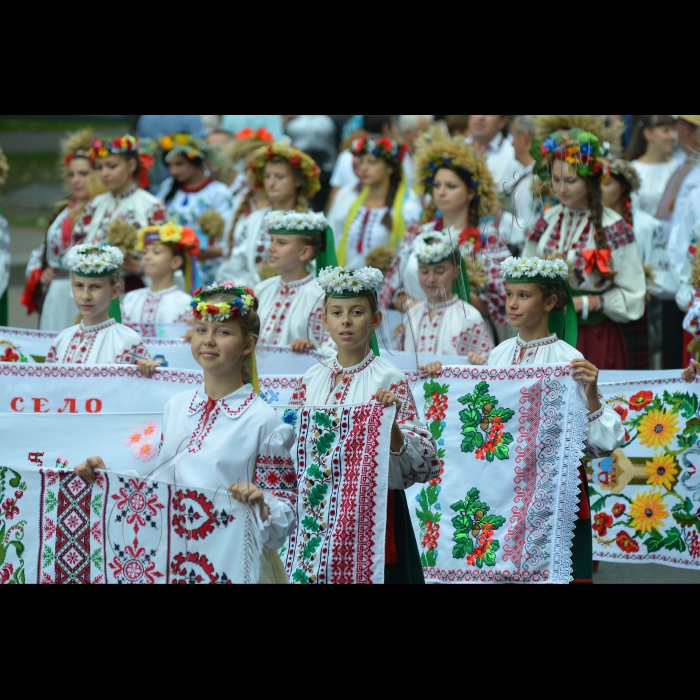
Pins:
x: 198, y: 188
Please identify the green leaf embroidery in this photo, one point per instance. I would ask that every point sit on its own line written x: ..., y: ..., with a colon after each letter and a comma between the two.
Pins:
x: 324, y: 443
x: 310, y: 524
x: 654, y: 543
x: 435, y: 429
x: 51, y: 501
x: 96, y: 558
x: 470, y: 417
x: 47, y: 556
x: 495, y: 520
x: 300, y: 577
x: 96, y: 504
x: 314, y: 472
x: 311, y: 547
x: 674, y: 540
x: 504, y: 413
x: 324, y: 420
x: 472, y: 439
x: 490, y: 558
x: 316, y: 494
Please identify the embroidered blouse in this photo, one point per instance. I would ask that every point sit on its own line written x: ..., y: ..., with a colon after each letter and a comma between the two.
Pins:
x: 236, y: 439
x: 142, y: 306
x: 108, y: 343
x: 417, y: 461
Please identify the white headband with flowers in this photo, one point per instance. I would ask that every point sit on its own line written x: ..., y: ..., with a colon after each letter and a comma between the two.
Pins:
x: 433, y: 247
x: 529, y: 268
x: 342, y: 282
x: 294, y: 221
x: 93, y: 260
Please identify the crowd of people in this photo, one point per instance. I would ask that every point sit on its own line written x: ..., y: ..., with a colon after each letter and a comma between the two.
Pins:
x: 502, y: 239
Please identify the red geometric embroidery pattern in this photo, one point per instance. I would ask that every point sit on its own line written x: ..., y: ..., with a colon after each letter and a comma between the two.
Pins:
x: 132, y: 355
x: 476, y: 338
x: 72, y: 554
x: 133, y: 564
x: 277, y: 476
x: 193, y: 508
x: 179, y: 567
x: 137, y: 504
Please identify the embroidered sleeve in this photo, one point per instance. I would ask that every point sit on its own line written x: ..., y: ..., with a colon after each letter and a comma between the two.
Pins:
x: 493, y: 293
x: 275, y: 474
x: 52, y: 355
x: 605, y: 433
x: 417, y: 461
x: 535, y: 233
x: 299, y: 396
x: 619, y: 234
x: 132, y: 355
x: 184, y: 317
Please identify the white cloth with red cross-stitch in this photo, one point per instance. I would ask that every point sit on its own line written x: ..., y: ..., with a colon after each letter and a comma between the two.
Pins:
x: 106, y: 343
x: 143, y: 307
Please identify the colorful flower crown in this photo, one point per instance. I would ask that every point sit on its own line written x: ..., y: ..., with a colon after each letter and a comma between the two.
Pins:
x: 342, y: 282
x: 299, y: 160
x: 581, y: 149
x: 249, y: 134
x: 220, y: 311
x: 103, y: 148
x: 434, y: 247
x: 531, y: 268
x: 93, y: 260
x: 436, y: 162
x: 624, y: 169
x: 383, y: 147
x: 172, y: 234
x: 184, y: 145
x: 307, y: 222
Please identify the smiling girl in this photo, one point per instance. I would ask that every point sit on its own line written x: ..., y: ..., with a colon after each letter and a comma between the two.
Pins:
x: 223, y: 433
x: 289, y: 178
x: 165, y: 249
x: 608, y: 280
x: 97, y: 339
x: 357, y: 375
x: 46, y: 266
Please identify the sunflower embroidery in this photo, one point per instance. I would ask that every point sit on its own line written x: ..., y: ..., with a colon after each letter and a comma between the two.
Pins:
x: 658, y: 428
x: 647, y: 511
x: 661, y: 471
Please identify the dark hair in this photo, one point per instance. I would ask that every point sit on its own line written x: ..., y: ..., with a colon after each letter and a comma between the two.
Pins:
x: 555, y: 290
x: 473, y: 213
x: 638, y: 144
x: 626, y: 192
x: 249, y: 324
x: 373, y: 302
x: 135, y: 157
x: 374, y: 123
x: 457, y: 122
x: 595, y: 203
x: 394, y: 184
x: 318, y: 243
x: 197, y: 162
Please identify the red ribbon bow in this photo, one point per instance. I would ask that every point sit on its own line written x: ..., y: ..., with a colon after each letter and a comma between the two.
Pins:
x: 601, y: 258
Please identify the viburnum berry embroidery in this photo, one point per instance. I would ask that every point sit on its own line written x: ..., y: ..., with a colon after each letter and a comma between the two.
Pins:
x: 428, y: 511
x: 483, y: 425
x: 474, y: 531
x: 11, y: 527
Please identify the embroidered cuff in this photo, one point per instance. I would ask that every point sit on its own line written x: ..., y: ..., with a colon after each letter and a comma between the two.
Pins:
x: 601, y: 303
x: 595, y: 415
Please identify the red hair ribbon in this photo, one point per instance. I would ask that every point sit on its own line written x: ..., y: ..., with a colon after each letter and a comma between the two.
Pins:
x: 601, y: 258
x: 146, y: 162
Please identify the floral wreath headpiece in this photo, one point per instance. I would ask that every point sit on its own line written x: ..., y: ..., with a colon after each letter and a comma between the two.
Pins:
x: 94, y: 260
x: 220, y: 311
x: 436, y: 162
x: 79, y: 153
x: 299, y: 160
x: 624, y: 169
x: 182, y: 237
x: 538, y: 271
x: 123, y: 145
x: 295, y: 223
x: 434, y: 247
x: 186, y: 145
x: 249, y: 134
x: 383, y: 147
x: 581, y: 149
x: 344, y: 283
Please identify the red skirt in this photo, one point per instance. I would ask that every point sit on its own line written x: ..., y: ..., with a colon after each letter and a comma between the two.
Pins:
x: 603, y: 344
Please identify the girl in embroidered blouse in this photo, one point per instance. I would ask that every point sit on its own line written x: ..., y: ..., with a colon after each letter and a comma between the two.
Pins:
x: 223, y: 433
x: 540, y: 306
x: 124, y: 173
x: 358, y: 375
x: 608, y: 280
x: 289, y: 178
x: 190, y: 191
x: 97, y: 339
x: 165, y: 249
x: 379, y: 215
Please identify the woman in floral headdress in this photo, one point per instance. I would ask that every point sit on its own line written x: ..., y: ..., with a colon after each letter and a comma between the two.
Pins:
x: 190, y: 192
x: 618, y: 185
x: 381, y: 213
x: 608, y: 281
x: 124, y: 174
x: 464, y: 193
x: 46, y: 267
x: 289, y: 178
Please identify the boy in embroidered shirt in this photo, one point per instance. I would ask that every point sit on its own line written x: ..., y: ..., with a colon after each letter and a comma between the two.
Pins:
x: 167, y: 249
x: 97, y: 339
x: 358, y: 375
x: 291, y: 305
x: 540, y: 306
x: 235, y: 438
x: 445, y: 324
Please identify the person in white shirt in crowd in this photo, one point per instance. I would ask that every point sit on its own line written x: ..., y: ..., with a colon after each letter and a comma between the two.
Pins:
x: 650, y: 151
x: 457, y: 125
x: 412, y: 125
x: 520, y: 200
x: 486, y: 135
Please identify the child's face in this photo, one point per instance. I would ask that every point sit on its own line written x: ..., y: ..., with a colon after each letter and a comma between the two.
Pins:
x: 526, y: 306
x: 568, y: 186
x: 280, y: 183
x: 436, y: 280
x: 93, y: 296
x: 285, y: 253
x: 183, y: 169
x: 116, y: 172
x: 350, y: 322
x: 220, y: 347
x: 159, y: 260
